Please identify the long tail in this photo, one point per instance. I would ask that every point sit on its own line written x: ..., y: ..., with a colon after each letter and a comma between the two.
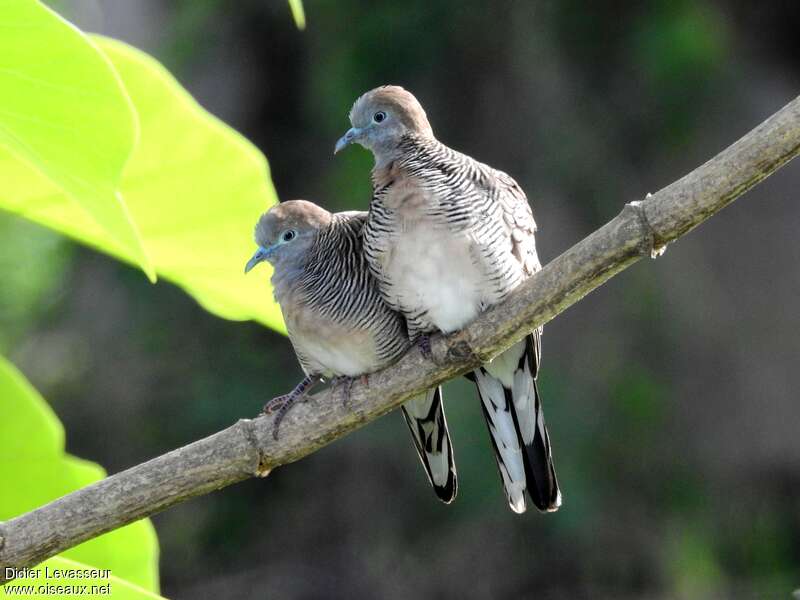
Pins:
x: 513, y: 412
x: 425, y: 417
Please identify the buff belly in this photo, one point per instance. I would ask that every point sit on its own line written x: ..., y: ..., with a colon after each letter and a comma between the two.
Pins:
x: 433, y: 271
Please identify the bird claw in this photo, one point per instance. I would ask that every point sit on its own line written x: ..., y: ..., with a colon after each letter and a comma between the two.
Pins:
x: 274, y: 404
x: 424, y: 343
x: 347, y: 385
x: 280, y: 405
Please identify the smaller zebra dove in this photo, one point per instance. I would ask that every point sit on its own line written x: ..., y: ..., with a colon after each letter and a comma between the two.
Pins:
x: 338, y: 324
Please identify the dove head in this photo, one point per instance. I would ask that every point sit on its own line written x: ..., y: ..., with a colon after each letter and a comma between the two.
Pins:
x: 381, y: 117
x: 285, y: 234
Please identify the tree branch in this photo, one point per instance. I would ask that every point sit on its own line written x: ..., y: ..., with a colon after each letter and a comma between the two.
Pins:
x: 247, y: 448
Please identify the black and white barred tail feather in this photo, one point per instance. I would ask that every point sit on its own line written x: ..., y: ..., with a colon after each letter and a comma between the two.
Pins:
x: 513, y: 411
x: 425, y: 418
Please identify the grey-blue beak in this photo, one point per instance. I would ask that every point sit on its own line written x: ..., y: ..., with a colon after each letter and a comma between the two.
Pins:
x: 260, y: 256
x: 348, y: 138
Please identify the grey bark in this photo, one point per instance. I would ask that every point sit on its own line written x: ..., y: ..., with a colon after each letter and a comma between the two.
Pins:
x: 247, y: 448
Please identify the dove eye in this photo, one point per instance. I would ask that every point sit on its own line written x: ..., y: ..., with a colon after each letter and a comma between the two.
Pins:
x: 288, y: 236
x: 379, y: 116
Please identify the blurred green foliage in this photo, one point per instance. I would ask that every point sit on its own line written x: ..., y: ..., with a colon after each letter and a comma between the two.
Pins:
x: 680, y: 48
x: 67, y: 122
x: 36, y: 470
x: 27, y: 292
x: 99, y: 142
x: 121, y: 151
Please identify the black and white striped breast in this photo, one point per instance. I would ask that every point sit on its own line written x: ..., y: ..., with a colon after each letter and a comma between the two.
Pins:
x: 442, y: 237
x: 343, y: 326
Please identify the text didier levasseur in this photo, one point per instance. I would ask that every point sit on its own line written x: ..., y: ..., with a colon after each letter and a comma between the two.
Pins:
x: 50, y: 573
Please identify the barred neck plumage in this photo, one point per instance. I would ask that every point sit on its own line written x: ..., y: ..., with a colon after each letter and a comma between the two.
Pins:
x: 336, y: 284
x: 455, y: 184
x: 426, y: 157
x: 412, y: 143
x: 451, y: 163
x: 334, y: 276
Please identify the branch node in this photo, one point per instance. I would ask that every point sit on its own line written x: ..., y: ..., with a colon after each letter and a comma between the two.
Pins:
x: 248, y: 431
x: 654, y: 247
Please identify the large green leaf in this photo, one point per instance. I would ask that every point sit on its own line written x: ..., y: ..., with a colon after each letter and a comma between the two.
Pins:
x: 193, y: 187
x: 36, y: 470
x: 64, y: 118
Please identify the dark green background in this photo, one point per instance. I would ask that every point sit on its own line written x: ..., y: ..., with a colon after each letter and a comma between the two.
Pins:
x: 671, y: 393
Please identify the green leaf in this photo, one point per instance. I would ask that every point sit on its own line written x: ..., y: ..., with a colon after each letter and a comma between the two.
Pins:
x: 36, y: 470
x: 29, y: 427
x: 298, y: 14
x: 195, y: 188
x: 60, y: 571
x: 28, y: 293
x: 192, y: 185
x: 65, y: 116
